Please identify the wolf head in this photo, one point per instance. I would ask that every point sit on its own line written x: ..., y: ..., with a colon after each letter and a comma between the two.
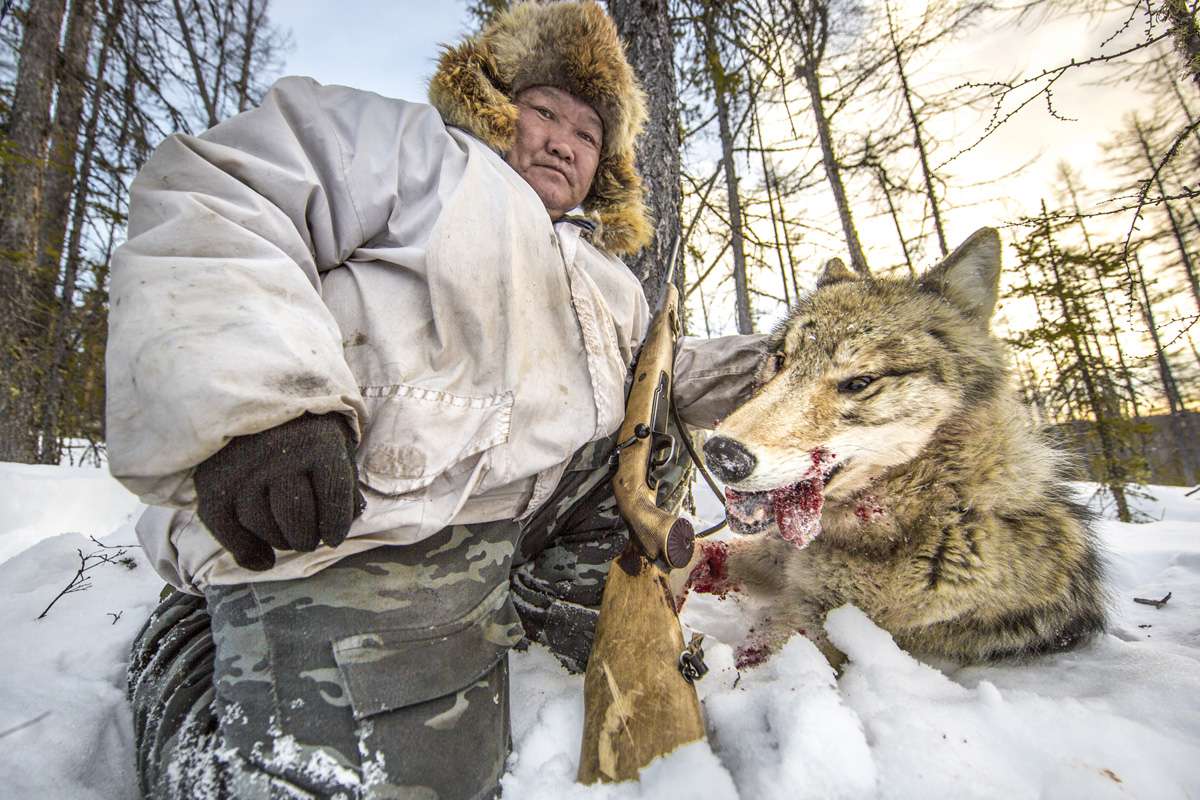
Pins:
x: 863, y: 373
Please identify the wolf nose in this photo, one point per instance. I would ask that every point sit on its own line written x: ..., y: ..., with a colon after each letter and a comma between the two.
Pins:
x: 728, y: 459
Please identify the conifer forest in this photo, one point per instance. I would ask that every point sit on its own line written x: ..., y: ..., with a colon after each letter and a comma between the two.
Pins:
x: 782, y: 134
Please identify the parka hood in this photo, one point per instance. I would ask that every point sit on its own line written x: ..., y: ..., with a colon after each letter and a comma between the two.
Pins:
x: 572, y: 46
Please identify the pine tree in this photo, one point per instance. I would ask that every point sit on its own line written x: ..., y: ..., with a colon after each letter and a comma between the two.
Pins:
x: 1060, y: 274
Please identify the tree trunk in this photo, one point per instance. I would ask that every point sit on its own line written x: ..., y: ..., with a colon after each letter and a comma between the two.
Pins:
x: 1180, y: 420
x: 717, y: 75
x: 1170, y: 386
x: 1114, y: 471
x: 224, y: 29
x: 20, y: 201
x: 1185, y: 258
x: 918, y: 137
x: 1030, y: 395
x: 1044, y: 323
x: 202, y: 87
x: 249, y: 35
x: 62, y: 329
x: 1126, y: 373
x: 1183, y: 104
x: 812, y: 43
x: 59, y: 176
x: 895, y: 215
x: 59, y: 185
x: 645, y: 27
x: 771, y: 204
x: 1182, y: 21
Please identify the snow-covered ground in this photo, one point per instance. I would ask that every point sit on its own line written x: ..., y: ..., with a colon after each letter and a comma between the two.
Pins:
x: 1119, y: 717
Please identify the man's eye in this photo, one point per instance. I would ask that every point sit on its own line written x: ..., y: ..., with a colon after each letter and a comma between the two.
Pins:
x: 587, y: 137
x: 543, y: 112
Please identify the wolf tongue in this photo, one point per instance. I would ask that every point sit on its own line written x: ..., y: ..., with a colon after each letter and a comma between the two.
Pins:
x: 798, y: 510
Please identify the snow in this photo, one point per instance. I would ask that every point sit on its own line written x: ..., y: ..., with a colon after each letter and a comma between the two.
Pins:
x: 38, y: 500
x: 1119, y: 717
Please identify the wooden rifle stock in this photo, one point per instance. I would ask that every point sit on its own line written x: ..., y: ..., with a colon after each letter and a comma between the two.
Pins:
x: 637, y: 703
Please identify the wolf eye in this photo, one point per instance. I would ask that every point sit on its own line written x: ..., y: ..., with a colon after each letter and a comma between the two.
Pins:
x: 776, y: 362
x: 855, y: 384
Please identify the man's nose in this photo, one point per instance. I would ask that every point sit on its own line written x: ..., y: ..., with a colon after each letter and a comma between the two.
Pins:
x: 559, y: 146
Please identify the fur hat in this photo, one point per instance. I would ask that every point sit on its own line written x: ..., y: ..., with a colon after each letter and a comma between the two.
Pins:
x: 572, y: 46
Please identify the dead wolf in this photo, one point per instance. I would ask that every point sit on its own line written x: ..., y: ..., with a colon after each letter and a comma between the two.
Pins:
x: 885, y: 461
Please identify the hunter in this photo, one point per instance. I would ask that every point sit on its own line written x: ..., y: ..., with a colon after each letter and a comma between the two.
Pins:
x: 366, y: 361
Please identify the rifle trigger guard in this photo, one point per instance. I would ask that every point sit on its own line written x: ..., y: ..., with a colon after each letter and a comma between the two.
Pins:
x: 640, y: 432
x: 691, y: 660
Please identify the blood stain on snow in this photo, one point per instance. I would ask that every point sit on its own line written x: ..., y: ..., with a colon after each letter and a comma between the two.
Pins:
x: 750, y: 654
x: 711, y: 575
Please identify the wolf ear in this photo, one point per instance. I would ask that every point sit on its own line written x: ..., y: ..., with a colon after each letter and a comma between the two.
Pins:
x: 834, y: 272
x: 970, y: 276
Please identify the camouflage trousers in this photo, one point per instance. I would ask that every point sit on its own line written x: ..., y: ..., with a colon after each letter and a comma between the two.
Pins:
x: 382, y: 676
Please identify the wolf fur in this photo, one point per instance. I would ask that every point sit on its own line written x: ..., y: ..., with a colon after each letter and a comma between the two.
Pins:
x: 946, y: 517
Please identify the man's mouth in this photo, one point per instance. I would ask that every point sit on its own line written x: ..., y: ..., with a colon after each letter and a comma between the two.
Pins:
x: 555, y: 170
x: 795, y: 509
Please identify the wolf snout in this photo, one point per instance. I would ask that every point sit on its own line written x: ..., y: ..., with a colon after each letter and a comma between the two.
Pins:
x: 728, y: 459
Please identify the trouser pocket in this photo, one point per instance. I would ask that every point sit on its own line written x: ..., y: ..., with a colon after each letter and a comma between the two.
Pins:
x: 434, y: 699
x: 359, y: 678
x: 390, y: 669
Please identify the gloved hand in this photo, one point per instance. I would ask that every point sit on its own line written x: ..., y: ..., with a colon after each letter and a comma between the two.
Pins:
x: 289, y: 488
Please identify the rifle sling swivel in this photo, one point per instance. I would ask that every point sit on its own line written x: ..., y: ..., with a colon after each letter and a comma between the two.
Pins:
x: 691, y: 660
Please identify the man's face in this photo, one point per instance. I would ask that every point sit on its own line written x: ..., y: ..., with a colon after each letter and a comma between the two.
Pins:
x: 557, y: 146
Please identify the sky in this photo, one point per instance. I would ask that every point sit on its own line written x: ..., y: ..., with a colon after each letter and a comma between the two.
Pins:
x: 981, y: 191
x: 391, y: 47
x: 386, y: 46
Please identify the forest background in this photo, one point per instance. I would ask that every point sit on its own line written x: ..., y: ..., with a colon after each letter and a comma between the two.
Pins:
x: 782, y: 134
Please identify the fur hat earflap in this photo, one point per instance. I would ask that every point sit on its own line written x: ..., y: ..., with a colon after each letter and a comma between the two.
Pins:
x: 571, y: 46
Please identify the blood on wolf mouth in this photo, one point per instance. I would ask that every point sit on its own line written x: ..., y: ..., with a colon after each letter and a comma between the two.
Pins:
x: 795, y: 508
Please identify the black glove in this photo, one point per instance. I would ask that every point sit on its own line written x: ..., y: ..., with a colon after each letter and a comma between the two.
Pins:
x: 289, y: 488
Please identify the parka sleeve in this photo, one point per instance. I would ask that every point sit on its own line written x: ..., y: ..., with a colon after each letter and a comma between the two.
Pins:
x: 715, y: 376
x: 216, y: 323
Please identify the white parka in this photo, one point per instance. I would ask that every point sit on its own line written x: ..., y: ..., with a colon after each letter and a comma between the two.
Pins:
x: 337, y: 251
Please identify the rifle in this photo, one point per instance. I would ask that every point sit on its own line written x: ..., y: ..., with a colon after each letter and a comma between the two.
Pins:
x: 639, y: 701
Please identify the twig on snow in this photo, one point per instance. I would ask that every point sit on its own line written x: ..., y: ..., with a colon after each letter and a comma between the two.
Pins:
x: 104, y: 546
x: 25, y: 724
x: 1155, y: 603
x: 81, y: 581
